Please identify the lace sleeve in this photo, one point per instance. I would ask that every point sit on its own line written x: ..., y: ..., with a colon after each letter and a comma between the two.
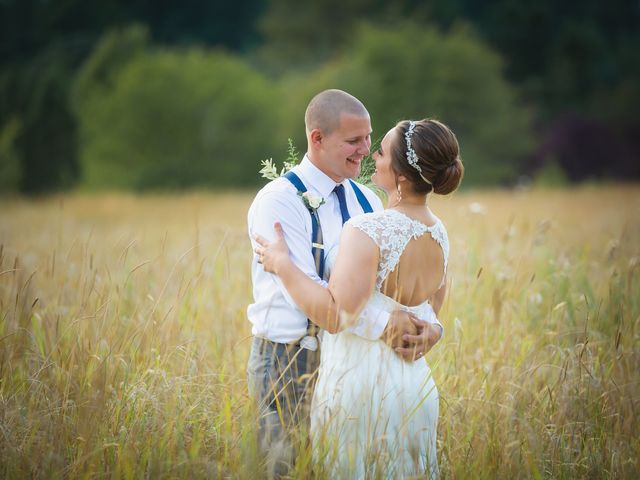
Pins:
x: 371, y: 224
x: 390, y: 231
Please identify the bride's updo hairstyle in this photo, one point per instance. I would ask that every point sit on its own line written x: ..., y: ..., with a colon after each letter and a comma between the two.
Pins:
x: 436, y: 166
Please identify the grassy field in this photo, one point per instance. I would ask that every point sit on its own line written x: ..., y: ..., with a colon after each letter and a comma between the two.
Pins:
x: 123, y: 336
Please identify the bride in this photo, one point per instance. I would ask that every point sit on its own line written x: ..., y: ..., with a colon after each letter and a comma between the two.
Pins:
x: 373, y: 414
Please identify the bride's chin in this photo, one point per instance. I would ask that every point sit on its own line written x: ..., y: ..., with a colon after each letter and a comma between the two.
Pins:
x: 375, y: 181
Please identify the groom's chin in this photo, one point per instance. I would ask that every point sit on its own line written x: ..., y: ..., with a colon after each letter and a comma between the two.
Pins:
x: 354, y: 168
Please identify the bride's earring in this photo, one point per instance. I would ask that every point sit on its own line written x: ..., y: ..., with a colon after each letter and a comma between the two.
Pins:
x: 398, y: 194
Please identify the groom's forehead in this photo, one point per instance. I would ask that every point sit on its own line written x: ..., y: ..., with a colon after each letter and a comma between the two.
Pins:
x: 354, y: 126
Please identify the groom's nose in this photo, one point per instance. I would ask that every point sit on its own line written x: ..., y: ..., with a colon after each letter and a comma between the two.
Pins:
x: 363, y: 147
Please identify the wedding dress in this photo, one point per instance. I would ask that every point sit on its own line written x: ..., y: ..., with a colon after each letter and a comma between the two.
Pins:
x: 373, y: 414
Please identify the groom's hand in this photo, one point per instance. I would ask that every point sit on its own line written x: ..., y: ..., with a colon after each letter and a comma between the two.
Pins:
x: 401, y: 323
x: 410, y: 337
x: 416, y: 346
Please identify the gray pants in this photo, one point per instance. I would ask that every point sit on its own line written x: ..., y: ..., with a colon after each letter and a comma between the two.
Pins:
x: 281, y: 378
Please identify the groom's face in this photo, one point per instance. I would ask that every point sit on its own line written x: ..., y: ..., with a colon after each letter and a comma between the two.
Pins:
x: 343, y: 150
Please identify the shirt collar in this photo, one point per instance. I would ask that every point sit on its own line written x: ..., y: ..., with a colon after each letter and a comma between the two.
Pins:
x: 316, y: 178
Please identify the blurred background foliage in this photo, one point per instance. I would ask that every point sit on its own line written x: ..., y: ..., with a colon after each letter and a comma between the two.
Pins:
x: 164, y: 95
x: 170, y: 118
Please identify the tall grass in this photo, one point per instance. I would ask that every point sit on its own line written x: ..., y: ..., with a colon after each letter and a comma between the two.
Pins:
x: 123, y: 336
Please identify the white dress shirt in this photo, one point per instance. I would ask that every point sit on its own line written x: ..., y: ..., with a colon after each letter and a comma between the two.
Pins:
x: 274, y: 314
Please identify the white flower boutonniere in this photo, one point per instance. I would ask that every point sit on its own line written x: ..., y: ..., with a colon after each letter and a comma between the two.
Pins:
x: 312, y: 202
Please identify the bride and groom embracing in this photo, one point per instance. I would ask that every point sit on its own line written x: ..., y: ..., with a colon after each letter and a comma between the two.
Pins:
x: 366, y: 393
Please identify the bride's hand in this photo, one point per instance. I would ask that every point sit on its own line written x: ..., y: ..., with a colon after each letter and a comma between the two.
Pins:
x: 272, y: 255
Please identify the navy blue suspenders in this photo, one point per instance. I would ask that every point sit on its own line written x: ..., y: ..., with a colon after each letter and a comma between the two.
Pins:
x: 362, y: 200
x: 317, y: 244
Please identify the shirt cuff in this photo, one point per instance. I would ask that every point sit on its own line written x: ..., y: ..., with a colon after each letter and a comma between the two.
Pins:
x: 371, y: 324
x: 437, y: 322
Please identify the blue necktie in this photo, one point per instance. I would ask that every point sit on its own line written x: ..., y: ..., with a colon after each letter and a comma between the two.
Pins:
x: 344, y: 211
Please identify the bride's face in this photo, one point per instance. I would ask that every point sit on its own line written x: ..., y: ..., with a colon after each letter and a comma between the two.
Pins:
x: 384, y: 176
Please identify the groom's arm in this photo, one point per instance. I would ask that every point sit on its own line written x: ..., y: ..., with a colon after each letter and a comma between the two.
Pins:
x: 371, y: 323
x: 398, y: 329
x: 289, y: 211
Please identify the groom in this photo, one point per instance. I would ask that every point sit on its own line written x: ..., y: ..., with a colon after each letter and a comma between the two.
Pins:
x: 284, y: 356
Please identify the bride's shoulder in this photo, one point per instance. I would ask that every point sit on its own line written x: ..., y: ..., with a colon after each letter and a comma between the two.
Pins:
x: 372, y: 218
x: 438, y: 226
x: 374, y: 224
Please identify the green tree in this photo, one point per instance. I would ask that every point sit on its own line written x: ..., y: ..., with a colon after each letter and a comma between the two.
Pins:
x: 9, y: 158
x: 173, y: 119
x: 305, y: 34
x: 37, y: 127
x: 113, y: 52
x: 407, y: 71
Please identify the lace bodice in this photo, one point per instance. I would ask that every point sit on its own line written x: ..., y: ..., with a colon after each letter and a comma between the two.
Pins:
x: 391, y: 231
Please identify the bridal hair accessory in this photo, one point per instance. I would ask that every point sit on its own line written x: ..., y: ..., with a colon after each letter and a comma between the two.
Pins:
x: 412, y: 157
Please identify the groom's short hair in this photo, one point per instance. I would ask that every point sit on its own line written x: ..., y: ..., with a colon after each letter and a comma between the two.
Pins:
x: 324, y: 110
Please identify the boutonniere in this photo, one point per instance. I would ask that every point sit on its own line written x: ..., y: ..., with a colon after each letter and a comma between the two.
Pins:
x: 312, y: 202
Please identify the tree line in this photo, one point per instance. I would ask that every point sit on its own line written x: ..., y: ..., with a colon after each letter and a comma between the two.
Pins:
x: 145, y: 94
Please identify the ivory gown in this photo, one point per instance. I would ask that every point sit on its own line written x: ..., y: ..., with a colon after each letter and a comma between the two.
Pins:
x: 377, y: 413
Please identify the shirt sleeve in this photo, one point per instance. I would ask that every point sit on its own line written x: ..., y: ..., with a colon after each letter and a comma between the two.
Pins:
x: 370, y: 324
x: 272, y: 207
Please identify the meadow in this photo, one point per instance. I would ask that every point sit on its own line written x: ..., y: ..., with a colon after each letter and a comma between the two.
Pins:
x: 124, y: 340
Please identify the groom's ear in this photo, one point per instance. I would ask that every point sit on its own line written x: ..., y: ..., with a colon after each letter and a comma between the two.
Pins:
x: 316, y: 137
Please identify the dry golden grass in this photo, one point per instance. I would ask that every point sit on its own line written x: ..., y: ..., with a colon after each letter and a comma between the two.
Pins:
x: 123, y: 337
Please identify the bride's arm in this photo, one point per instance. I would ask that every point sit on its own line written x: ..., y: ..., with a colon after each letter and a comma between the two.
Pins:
x: 351, y: 284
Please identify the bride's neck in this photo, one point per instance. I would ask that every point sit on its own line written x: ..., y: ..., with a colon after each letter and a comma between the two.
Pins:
x: 412, y: 202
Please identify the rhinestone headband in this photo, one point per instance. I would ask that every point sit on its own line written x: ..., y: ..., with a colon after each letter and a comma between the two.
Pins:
x: 412, y: 157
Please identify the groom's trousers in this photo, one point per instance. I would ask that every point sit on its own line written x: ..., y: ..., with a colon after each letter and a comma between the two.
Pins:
x: 281, y: 378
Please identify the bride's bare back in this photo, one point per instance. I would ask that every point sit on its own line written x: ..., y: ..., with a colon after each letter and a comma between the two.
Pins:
x: 419, y: 273
x: 403, y: 258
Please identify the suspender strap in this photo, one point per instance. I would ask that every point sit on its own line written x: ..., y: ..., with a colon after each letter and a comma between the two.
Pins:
x: 293, y: 178
x: 317, y: 244
x: 362, y: 200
